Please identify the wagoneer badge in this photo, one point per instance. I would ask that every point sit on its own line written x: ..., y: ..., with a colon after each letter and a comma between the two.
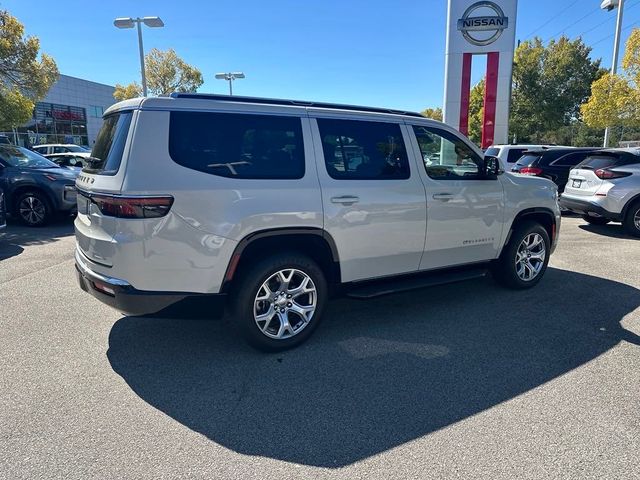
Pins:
x: 492, y: 23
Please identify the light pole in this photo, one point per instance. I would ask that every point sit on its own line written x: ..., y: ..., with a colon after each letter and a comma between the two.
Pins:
x: 230, y: 77
x: 128, y: 22
x: 609, y: 5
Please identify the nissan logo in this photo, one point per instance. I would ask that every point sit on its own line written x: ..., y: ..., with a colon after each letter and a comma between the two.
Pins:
x: 494, y: 24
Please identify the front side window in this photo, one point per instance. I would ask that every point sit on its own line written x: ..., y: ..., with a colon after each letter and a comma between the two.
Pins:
x: 358, y: 150
x: 445, y: 156
x: 238, y: 145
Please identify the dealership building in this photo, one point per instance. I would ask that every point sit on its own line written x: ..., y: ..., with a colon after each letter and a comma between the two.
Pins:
x: 71, y: 112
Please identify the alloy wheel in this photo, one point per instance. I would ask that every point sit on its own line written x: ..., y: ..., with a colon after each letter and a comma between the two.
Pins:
x: 32, y: 210
x: 285, y: 304
x: 530, y: 257
x: 636, y: 219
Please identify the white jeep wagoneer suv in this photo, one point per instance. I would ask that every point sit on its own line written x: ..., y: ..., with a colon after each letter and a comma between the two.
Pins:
x: 276, y: 205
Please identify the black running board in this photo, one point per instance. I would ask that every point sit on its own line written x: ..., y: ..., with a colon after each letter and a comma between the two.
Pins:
x: 403, y: 284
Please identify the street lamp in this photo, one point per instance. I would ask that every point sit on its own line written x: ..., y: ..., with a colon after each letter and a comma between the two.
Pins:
x: 128, y: 22
x: 230, y: 77
x: 609, y: 5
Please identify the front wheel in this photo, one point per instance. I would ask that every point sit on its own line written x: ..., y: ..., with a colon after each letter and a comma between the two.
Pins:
x: 525, y: 258
x: 32, y: 208
x: 595, y: 220
x: 278, y: 303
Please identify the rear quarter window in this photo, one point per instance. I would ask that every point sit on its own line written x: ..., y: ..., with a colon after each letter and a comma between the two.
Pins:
x: 493, y: 152
x: 107, y: 152
x: 238, y: 145
x: 514, y: 154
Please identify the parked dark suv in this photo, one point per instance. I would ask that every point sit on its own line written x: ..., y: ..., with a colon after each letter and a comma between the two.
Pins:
x: 35, y: 188
x: 551, y: 163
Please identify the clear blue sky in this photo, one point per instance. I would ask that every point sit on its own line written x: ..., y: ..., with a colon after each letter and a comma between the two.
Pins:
x: 383, y: 53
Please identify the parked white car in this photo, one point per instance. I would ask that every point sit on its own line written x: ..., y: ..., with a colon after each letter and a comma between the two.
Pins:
x: 605, y: 187
x: 57, y: 148
x: 510, y: 154
x: 279, y: 204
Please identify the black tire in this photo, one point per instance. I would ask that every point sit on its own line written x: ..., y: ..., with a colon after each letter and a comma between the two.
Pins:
x: 629, y: 221
x: 505, y: 271
x: 248, y: 287
x: 595, y: 220
x: 33, y: 209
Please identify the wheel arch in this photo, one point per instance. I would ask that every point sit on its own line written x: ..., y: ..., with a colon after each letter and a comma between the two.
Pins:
x: 542, y: 215
x: 628, y: 205
x: 24, y: 188
x: 312, y: 241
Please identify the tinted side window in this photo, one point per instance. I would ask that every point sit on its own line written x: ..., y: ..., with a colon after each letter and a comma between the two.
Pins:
x: 492, y: 152
x: 357, y: 150
x: 569, y: 160
x: 237, y: 145
x: 445, y: 156
x: 514, y: 154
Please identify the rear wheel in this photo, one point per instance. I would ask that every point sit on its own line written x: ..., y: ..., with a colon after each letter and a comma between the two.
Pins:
x: 33, y: 209
x: 524, y: 259
x: 631, y: 220
x: 595, y: 220
x: 279, y: 302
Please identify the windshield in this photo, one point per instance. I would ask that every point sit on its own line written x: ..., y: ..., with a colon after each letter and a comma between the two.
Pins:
x: 21, y: 157
x: 527, y: 159
x: 106, y: 155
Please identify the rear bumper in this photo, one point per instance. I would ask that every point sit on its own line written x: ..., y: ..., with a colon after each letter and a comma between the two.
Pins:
x: 120, y: 295
x: 585, y: 207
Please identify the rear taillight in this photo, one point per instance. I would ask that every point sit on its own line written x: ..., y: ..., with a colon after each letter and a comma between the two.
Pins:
x: 607, y: 174
x: 132, y: 207
x: 530, y: 171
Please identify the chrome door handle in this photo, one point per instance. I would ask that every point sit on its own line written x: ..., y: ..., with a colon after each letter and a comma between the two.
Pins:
x: 345, y: 199
x: 443, y: 197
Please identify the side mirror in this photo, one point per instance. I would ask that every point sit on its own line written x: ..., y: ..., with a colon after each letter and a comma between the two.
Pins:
x: 492, y: 167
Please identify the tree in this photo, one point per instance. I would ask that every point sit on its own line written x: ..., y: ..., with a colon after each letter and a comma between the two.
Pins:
x: 166, y: 72
x: 24, y: 79
x: 549, y: 85
x: 615, y: 99
x: 433, y: 113
x: 476, y: 111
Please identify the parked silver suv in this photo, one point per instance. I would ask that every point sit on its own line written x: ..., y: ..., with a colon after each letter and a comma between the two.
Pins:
x: 278, y: 205
x: 605, y: 187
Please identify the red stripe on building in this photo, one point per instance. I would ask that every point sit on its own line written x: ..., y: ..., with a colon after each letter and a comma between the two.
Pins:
x: 490, y: 94
x: 464, y: 95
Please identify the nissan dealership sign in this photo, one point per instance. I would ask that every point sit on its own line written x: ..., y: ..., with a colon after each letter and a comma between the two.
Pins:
x: 482, y: 32
x: 473, y: 21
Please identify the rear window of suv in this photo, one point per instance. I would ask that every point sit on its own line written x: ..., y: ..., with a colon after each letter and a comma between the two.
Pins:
x: 238, y: 145
x: 107, y: 152
x: 595, y: 162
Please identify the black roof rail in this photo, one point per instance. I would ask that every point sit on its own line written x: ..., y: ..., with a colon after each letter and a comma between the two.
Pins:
x: 297, y: 103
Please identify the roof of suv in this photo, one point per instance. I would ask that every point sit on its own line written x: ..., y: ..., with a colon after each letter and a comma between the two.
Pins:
x: 152, y: 102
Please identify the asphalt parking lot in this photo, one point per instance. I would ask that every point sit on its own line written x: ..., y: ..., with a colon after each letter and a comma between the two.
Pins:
x: 460, y: 381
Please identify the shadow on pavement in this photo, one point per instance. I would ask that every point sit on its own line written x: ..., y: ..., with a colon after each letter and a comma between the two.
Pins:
x: 15, y: 236
x: 376, y: 374
x: 613, y: 230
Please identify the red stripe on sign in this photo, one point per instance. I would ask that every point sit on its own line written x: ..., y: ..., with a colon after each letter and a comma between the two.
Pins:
x: 490, y: 94
x: 464, y: 93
